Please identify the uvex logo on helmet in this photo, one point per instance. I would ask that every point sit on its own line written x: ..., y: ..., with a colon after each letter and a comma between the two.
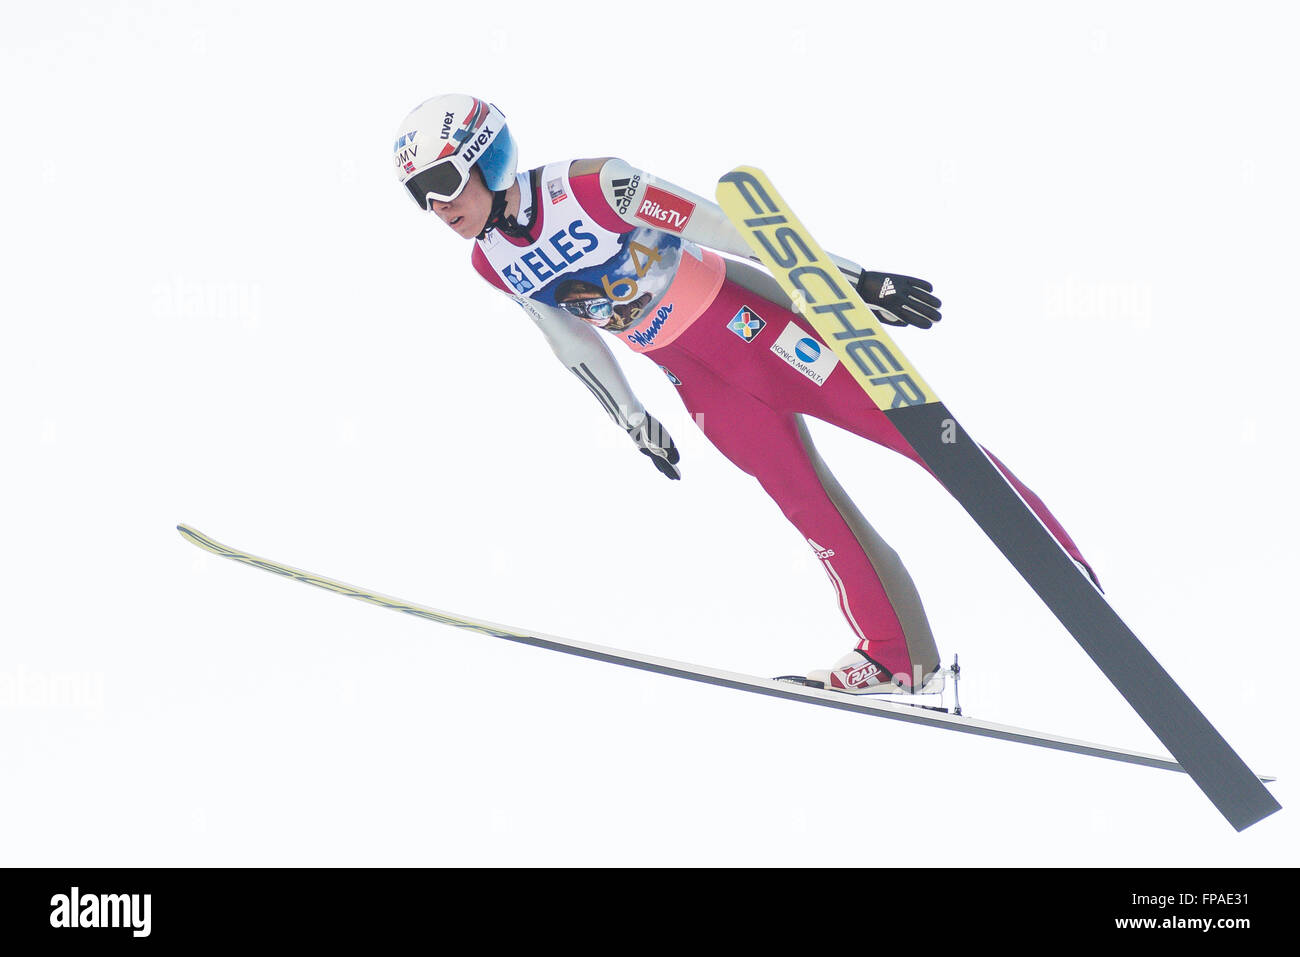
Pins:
x: 480, y: 141
x: 477, y: 115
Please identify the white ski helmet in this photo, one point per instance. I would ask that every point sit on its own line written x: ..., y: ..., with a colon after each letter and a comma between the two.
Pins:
x: 444, y: 138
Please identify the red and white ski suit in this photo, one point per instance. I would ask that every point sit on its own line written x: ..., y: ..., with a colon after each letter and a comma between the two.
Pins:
x: 609, y: 246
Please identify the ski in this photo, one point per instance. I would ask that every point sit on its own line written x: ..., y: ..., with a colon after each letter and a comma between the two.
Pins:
x: 774, y: 688
x: 839, y: 315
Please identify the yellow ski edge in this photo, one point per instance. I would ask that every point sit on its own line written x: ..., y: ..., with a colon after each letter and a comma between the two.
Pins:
x: 819, y: 291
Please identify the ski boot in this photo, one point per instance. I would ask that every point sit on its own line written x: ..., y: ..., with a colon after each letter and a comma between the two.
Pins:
x: 858, y: 673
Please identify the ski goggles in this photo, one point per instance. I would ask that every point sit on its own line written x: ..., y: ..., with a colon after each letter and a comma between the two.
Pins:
x: 443, y: 181
x: 600, y: 310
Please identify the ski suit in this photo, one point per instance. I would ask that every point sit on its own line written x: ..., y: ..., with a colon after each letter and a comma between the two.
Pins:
x: 611, y: 247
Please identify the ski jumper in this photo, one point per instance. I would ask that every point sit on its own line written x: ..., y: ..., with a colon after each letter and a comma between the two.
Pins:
x: 611, y: 247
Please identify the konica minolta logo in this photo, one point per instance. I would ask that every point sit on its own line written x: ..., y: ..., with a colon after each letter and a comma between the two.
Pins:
x: 123, y: 911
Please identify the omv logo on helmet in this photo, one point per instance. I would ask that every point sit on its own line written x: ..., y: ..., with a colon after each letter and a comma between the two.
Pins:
x: 403, y: 157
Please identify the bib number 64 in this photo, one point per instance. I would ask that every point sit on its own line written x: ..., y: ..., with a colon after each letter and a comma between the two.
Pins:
x: 625, y: 287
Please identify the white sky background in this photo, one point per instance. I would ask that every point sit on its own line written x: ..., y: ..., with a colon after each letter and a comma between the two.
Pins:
x: 220, y: 308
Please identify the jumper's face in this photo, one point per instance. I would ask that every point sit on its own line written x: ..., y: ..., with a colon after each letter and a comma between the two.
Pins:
x: 467, y: 214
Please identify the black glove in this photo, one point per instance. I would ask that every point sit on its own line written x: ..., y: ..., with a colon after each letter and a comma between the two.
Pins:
x: 653, y: 440
x: 899, y: 300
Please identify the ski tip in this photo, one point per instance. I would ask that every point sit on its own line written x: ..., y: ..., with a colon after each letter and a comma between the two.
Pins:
x: 195, y: 537
x: 739, y: 175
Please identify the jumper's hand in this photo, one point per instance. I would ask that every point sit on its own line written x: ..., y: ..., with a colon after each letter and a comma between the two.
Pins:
x: 899, y: 300
x: 653, y: 440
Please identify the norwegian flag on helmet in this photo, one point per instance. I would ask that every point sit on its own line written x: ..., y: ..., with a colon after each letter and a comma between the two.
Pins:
x: 468, y: 127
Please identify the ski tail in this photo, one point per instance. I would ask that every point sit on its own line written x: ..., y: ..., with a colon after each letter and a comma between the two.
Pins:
x: 893, y: 385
